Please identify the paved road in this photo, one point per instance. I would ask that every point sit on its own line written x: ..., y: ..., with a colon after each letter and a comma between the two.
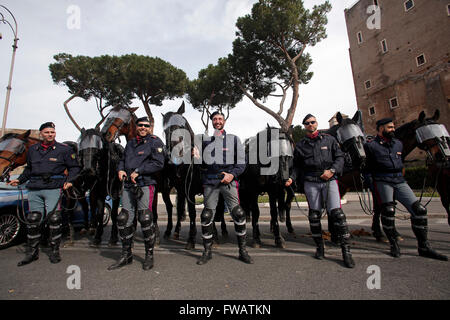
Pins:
x: 278, y: 274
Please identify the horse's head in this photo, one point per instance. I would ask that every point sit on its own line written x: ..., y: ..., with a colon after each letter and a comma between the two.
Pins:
x: 179, y: 135
x: 350, y: 136
x: 91, y: 150
x: 272, y: 149
x: 433, y: 138
x: 426, y: 134
x: 120, y: 121
x: 13, y: 152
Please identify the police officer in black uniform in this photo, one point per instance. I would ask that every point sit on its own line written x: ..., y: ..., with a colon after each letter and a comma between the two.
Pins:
x: 45, y: 170
x: 320, y: 160
x: 385, y: 166
x: 223, y: 163
x: 142, y: 158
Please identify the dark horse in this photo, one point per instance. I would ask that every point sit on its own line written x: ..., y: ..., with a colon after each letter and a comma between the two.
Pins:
x: 428, y: 135
x: 122, y: 121
x: 184, y: 175
x: 99, y: 161
x: 269, y: 157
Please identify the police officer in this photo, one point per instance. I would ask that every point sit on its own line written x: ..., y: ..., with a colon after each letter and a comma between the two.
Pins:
x: 143, y: 156
x: 384, y: 163
x: 46, y: 163
x: 223, y: 163
x: 320, y: 160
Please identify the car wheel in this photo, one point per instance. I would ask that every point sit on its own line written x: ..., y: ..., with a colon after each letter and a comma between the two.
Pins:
x: 9, y: 229
x: 106, y: 215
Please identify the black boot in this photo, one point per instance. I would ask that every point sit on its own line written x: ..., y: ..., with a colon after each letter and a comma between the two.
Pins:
x: 207, y: 254
x: 340, y: 223
x: 54, y: 255
x: 32, y: 252
x: 55, y: 225
x: 316, y: 231
x: 347, y: 256
x: 243, y: 254
x: 148, y: 262
x: 419, y: 224
x: 33, y: 238
x: 388, y: 222
x: 150, y: 234
x: 114, y: 235
x: 320, y: 250
x: 126, y: 256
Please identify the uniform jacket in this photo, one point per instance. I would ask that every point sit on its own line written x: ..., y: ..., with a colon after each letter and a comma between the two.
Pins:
x: 313, y: 156
x: 45, y: 168
x: 145, y: 157
x: 384, y: 159
x: 231, y: 158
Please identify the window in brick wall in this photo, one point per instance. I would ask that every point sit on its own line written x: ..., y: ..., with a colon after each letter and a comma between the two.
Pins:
x: 384, y: 47
x: 372, y: 111
x: 393, y: 103
x: 421, y: 60
x: 448, y: 9
x: 367, y: 84
x: 359, y: 36
x: 409, y: 5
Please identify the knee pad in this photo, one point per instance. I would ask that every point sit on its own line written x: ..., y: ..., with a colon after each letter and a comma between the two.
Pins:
x: 419, y: 209
x: 145, y: 217
x: 314, y: 215
x: 122, y: 218
x: 337, y: 215
x: 388, y: 209
x: 206, y: 216
x: 237, y: 213
x: 34, y: 217
x: 55, y: 219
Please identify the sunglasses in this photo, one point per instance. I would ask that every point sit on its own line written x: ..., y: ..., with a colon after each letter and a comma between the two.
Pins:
x: 144, y: 125
x: 308, y: 123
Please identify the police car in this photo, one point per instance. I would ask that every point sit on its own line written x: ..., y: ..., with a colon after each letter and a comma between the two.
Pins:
x: 12, y: 230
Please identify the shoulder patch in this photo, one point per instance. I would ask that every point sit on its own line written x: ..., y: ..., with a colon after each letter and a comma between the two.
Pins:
x: 73, y: 156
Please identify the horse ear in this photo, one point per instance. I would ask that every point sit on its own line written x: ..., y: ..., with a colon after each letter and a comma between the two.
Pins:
x: 133, y: 110
x: 181, y: 109
x: 357, y: 116
x: 27, y: 133
x: 339, y: 117
x: 422, y: 116
x: 436, y: 115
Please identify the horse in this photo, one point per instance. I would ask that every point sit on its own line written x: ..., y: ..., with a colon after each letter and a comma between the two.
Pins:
x: 13, y: 152
x: 184, y: 176
x: 434, y: 139
x: 269, y: 157
x: 122, y: 121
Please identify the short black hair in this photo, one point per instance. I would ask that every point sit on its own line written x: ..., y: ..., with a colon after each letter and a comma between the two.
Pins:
x: 215, y: 113
x: 309, y: 115
x: 143, y: 119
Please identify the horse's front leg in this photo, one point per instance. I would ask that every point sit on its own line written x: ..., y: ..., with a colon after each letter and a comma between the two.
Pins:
x: 190, y: 245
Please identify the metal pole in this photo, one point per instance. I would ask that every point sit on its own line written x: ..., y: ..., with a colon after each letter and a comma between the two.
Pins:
x: 8, y: 88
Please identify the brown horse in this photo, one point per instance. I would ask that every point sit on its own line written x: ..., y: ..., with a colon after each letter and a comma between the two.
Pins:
x: 13, y: 152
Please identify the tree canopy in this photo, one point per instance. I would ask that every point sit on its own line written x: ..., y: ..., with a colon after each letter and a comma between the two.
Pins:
x: 269, y: 56
x: 113, y: 80
x: 213, y: 90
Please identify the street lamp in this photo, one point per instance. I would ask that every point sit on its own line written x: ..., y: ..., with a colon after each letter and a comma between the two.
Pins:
x: 8, y: 88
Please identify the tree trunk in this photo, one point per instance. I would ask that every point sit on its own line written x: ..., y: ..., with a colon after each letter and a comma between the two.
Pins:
x: 67, y: 110
x: 149, y: 114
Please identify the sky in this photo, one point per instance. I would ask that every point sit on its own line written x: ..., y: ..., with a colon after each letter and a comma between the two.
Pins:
x: 190, y: 34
